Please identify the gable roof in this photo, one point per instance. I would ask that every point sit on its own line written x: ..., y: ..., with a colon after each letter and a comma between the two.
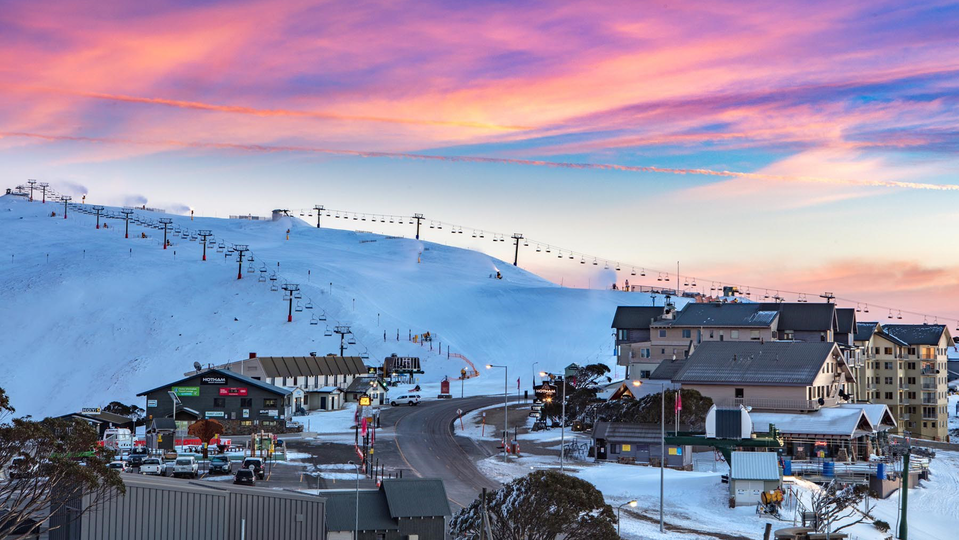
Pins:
x: 916, y: 334
x: 754, y: 466
x: 635, y: 317
x: 877, y: 413
x: 889, y: 337
x: 779, y: 363
x: 374, y: 512
x: 667, y: 369
x: 627, y: 432
x: 416, y: 497
x: 805, y: 317
x: 723, y: 314
x: 846, y: 317
x: 839, y: 421
x: 162, y: 424
x: 309, y: 366
x: 864, y: 330
x: 226, y: 373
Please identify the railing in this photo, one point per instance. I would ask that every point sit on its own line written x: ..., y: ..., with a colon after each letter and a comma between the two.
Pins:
x: 929, y: 386
x: 927, y: 401
x: 779, y: 404
x: 929, y: 417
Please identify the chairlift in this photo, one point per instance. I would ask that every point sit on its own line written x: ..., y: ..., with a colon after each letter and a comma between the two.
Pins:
x: 890, y: 314
x: 694, y: 282
x: 298, y: 295
x: 356, y: 218
x: 474, y: 234
x: 432, y: 225
x: 250, y: 269
x: 582, y: 260
x: 309, y: 304
x: 481, y: 235
x: 364, y: 217
x: 899, y: 316
x: 440, y: 226
x: 351, y: 341
x: 865, y: 309
x: 633, y: 273
x: 274, y: 287
x: 261, y: 279
x: 525, y: 243
x: 222, y: 244
x: 327, y: 332
x: 571, y: 256
x: 193, y: 238
x: 298, y: 307
x: 642, y: 273
x: 322, y: 316
x: 250, y: 258
x: 273, y: 277
x: 538, y: 248
x: 313, y: 321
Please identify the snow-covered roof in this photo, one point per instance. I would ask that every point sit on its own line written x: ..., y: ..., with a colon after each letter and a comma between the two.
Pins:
x: 754, y: 466
x: 326, y: 390
x: 838, y: 421
x: 877, y: 413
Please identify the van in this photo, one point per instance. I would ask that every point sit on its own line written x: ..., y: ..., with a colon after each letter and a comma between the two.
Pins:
x: 410, y: 399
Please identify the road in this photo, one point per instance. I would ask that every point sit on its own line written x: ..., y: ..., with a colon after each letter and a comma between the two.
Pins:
x: 426, y: 445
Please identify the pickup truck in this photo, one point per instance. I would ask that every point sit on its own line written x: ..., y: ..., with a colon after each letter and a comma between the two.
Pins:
x: 137, y: 456
x: 152, y: 466
x: 186, y: 466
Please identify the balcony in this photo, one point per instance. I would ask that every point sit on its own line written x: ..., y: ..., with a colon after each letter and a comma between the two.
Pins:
x: 905, y: 416
x: 773, y: 404
x: 929, y: 417
x: 930, y: 386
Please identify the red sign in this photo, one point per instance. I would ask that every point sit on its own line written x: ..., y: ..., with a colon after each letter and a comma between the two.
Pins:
x: 232, y: 391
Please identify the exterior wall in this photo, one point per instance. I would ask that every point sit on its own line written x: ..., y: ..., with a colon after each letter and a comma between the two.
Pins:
x: 428, y: 528
x: 806, y: 336
x: 776, y: 397
x: 642, y: 452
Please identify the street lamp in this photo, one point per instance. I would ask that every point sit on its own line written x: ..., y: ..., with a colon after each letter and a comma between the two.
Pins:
x: 533, y: 367
x: 505, y: 406
x: 562, y: 433
x: 356, y: 519
x: 619, y: 516
x: 662, y: 447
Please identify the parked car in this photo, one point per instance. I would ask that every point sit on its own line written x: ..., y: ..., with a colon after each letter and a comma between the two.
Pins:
x: 256, y: 465
x: 137, y: 456
x: 245, y: 477
x: 152, y: 466
x: 186, y: 466
x: 410, y: 399
x: 220, y: 465
x: 120, y: 466
x: 20, y: 468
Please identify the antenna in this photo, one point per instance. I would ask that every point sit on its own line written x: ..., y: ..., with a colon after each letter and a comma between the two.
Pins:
x: 204, y: 233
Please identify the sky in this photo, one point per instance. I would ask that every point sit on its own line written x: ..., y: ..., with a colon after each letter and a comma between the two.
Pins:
x: 795, y: 146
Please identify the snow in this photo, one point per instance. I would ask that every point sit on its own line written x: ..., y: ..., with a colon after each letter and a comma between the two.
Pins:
x: 106, y: 317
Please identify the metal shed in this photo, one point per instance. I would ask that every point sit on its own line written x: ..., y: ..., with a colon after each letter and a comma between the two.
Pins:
x: 750, y: 474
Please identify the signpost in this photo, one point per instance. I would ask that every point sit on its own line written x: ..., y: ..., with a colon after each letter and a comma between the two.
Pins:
x: 188, y: 391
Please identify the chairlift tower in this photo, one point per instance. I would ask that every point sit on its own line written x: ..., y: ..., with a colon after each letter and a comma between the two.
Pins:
x: 165, y: 221
x: 319, y: 210
x: 43, y: 187
x: 98, y: 209
x: 419, y: 219
x: 33, y: 184
x: 343, y: 331
x: 828, y: 296
x: 240, y: 249
x: 204, y: 233
x: 290, y: 288
x: 516, y: 237
x: 65, y: 199
x: 127, y: 212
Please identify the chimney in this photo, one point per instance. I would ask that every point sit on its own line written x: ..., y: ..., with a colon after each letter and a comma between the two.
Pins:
x: 252, y: 355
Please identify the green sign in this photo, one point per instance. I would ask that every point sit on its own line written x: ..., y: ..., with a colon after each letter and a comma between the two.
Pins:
x: 192, y: 391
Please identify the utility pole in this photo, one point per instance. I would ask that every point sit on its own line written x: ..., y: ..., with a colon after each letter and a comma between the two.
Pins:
x: 419, y: 219
x: 319, y: 210
x: 517, y: 237
x: 65, y: 199
x: 33, y: 184
x: 505, y: 407
x: 241, y: 249
x: 127, y: 212
x: 904, y: 489
x: 291, y: 288
x: 662, y: 453
x: 203, y: 234
x: 98, y: 209
x: 44, y: 186
x: 166, y: 223
x: 343, y: 331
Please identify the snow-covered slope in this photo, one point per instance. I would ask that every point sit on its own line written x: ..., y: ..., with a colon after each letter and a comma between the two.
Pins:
x: 87, y: 316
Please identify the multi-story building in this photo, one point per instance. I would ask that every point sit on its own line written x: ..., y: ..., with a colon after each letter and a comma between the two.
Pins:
x: 905, y: 367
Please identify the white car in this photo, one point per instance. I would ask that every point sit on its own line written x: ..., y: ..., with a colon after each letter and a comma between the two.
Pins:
x: 120, y: 466
x: 152, y: 466
x: 409, y: 399
x: 186, y: 466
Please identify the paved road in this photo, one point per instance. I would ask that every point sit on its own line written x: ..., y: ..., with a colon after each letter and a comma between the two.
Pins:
x: 426, y: 445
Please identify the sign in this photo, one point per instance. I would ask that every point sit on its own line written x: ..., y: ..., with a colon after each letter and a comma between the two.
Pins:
x: 90, y: 410
x: 371, y: 370
x: 629, y: 447
x: 544, y: 391
x: 215, y: 414
x: 820, y: 443
x: 364, y: 401
x: 213, y: 379
x: 246, y: 413
x: 269, y: 412
x: 151, y: 403
x: 190, y: 391
x: 676, y: 451
x: 233, y: 391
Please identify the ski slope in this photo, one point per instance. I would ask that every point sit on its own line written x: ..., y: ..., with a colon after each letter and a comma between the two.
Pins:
x: 87, y: 316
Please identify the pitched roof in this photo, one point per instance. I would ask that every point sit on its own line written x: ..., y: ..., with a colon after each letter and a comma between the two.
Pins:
x: 754, y: 466
x: 864, y: 330
x: 627, y: 431
x: 839, y: 421
x: 719, y: 314
x: 309, y: 366
x: 804, y: 317
x: 361, y: 385
x: 667, y: 369
x: 847, y: 320
x: 889, y: 337
x: 780, y: 363
x: 226, y: 373
x: 877, y: 413
x: 165, y: 424
x: 416, y: 497
x: 374, y: 512
x: 635, y: 317
x: 916, y: 334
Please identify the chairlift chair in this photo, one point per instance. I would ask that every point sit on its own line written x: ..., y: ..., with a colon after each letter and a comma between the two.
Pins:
x: 273, y: 277
x: 298, y: 295
x: 250, y: 269
x: 261, y: 278
x: 327, y: 332
x: 313, y: 321
x: 298, y: 307
x: 322, y: 316
x: 309, y: 304
x: 250, y: 258
x: 351, y: 341
x: 274, y: 288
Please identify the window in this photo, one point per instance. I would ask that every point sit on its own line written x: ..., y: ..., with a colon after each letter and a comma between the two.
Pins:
x: 789, y: 335
x: 888, y: 380
x: 622, y: 334
x: 662, y: 333
x: 710, y: 334
x: 739, y: 393
x: 888, y: 395
x: 888, y: 365
x: 734, y: 334
x: 910, y: 365
x: 219, y: 402
x: 269, y: 402
x: 754, y: 335
x: 887, y: 350
x: 687, y: 333
x: 912, y: 351
x: 644, y: 374
x: 644, y: 353
x: 614, y: 449
x: 720, y: 335
x: 662, y: 351
x: 822, y: 336
x: 246, y: 402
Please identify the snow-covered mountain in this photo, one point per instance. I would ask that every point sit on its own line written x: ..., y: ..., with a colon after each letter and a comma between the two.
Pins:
x: 87, y: 316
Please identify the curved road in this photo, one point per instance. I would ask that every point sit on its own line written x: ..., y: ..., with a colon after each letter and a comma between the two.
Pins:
x: 426, y: 444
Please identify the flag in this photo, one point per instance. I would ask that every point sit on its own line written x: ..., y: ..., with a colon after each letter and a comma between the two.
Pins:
x: 679, y: 401
x: 517, y: 383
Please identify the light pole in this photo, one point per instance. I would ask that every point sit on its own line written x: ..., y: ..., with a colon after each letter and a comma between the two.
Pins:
x: 619, y: 516
x: 562, y: 432
x: 505, y: 407
x: 662, y: 447
x: 356, y: 519
x: 534, y: 373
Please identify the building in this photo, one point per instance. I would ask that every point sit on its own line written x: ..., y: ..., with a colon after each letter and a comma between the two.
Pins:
x: 842, y: 433
x: 397, y: 368
x: 774, y: 376
x: 905, y: 366
x: 161, y: 508
x: 102, y: 420
x: 239, y: 402
x: 752, y: 473
x: 371, y: 386
x: 400, y: 509
x: 627, y: 442
x: 633, y: 343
